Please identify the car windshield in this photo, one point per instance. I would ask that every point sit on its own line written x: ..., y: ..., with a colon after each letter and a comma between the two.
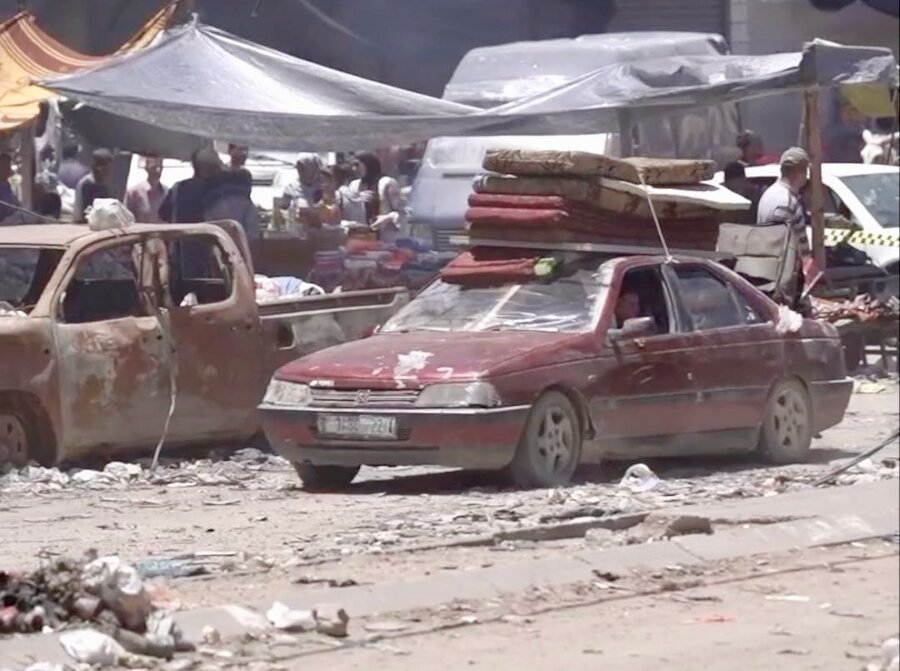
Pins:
x: 24, y: 272
x: 880, y: 193
x: 566, y: 303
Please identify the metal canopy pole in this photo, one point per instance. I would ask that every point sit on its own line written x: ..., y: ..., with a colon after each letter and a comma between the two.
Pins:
x: 817, y: 189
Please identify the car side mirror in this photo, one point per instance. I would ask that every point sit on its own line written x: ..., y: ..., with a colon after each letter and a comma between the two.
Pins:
x: 638, y: 327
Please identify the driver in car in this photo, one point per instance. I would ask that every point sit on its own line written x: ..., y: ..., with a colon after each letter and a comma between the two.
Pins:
x: 627, y: 307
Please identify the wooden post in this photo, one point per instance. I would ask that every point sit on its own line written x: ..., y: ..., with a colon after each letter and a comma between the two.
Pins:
x: 817, y: 189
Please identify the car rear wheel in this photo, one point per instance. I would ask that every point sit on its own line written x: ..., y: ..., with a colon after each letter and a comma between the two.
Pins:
x: 316, y: 477
x: 550, y: 448
x: 787, y: 427
x: 16, y: 436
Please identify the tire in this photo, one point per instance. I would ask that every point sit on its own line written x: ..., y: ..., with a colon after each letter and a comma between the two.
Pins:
x: 317, y: 478
x: 550, y: 448
x: 787, y: 431
x: 18, y: 434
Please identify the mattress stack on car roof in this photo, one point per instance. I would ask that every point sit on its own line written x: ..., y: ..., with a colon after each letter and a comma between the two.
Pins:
x: 571, y: 197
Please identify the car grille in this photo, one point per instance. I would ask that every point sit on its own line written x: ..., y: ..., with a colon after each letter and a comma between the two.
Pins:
x: 364, y: 398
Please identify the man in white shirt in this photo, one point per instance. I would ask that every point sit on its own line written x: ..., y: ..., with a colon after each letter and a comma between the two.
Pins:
x: 145, y: 198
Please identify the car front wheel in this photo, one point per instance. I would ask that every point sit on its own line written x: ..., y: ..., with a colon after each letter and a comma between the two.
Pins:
x: 323, y: 478
x: 15, y: 435
x: 550, y: 448
x: 786, y: 432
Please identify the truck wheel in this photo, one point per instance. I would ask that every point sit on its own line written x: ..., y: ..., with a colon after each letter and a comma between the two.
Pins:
x: 316, y: 477
x: 550, y: 448
x: 787, y: 426
x: 17, y: 435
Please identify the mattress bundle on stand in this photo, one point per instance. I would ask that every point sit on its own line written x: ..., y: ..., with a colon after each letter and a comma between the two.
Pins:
x: 577, y: 197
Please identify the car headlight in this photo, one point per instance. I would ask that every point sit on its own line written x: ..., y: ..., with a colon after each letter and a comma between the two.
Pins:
x: 280, y: 392
x: 459, y: 395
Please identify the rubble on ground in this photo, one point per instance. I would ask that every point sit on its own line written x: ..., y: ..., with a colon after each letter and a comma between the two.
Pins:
x: 246, y: 468
x: 100, y: 602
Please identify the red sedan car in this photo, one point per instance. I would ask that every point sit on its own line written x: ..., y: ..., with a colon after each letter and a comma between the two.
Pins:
x: 626, y: 357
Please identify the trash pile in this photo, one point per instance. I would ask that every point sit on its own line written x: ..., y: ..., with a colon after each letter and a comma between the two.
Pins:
x: 864, y: 308
x: 102, y: 593
x: 571, y: 196
x: 246, y: 468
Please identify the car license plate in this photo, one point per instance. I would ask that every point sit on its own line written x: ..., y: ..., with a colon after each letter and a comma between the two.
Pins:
x: 358, y: 426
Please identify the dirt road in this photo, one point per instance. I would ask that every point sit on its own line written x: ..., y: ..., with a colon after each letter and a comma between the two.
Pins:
x: 822, y: 609
x: 392, y: 522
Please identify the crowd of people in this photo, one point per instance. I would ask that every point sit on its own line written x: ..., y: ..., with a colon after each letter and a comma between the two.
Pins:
x: 354, y: 193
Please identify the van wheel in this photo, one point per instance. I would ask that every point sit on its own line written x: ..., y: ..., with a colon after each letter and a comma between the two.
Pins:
x: 550, y: 448
x: 787, y: 426
x: 17, y: 435
x: 316, y: 477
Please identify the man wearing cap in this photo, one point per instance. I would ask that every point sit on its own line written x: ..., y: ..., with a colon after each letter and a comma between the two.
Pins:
x: 782, y: 202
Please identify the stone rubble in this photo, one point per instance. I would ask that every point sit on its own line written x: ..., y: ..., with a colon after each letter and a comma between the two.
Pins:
x: 390, y: 520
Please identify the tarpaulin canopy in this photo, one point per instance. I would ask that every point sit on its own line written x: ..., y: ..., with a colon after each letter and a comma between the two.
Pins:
x: 28, y: 54
x: 673, y: 84
x: 198, y: 81
x: 202, y: 81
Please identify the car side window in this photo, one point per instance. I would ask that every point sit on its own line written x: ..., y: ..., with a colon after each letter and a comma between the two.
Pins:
x: 748, y: 312
x: 199, y: 271
x: 643, y: 294
x: 106, y: 285
x: 708, y: 300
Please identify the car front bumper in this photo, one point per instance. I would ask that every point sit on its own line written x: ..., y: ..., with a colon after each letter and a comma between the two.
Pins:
x: 473, y: 438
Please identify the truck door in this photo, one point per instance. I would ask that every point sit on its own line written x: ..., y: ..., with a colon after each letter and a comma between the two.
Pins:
x: 217, y: 339
x: 113, y: 363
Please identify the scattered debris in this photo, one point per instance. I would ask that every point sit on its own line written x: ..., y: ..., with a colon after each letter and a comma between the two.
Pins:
x: 661, y: 525
x: 287, y: 619
x: 795, y: 598
x: 639, y: 478
x: 331, y: 620
x: 88, y: 646
x: 386, y: 627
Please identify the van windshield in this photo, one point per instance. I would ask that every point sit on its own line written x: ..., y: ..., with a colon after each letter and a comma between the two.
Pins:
x: 24, y: 273
x: 569, y: 304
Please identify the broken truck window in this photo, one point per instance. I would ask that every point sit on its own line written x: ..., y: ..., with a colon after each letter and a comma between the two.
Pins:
x: 199, y: 266
x: 24, y: 273
x: 105, y: 286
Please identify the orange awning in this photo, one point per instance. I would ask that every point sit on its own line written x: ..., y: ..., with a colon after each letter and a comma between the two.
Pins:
x: 28, y: 54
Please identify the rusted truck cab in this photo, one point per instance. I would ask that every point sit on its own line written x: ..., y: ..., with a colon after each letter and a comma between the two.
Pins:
x: 103, y: 334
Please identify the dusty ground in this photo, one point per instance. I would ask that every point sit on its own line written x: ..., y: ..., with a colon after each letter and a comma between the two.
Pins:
x: 819, y: 609
x: 270, y: 534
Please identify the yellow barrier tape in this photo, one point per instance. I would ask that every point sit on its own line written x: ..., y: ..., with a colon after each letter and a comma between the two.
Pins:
x: 835, y: 235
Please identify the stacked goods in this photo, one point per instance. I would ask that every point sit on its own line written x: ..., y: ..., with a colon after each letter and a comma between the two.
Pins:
x: 370, y: 264
x: 568, y: 196
x: 492, y: 264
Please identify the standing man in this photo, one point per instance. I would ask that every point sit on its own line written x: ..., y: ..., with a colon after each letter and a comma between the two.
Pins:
x: 8, y: 200
x: 145, y: 198
x: 185, y: 202
x: 238, y: 159
x: 71, y: 170
x: 93, y: 186
x: 782, y: 204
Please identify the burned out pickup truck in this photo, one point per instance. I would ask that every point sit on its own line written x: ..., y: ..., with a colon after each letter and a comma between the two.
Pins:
x: 103, y: 334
